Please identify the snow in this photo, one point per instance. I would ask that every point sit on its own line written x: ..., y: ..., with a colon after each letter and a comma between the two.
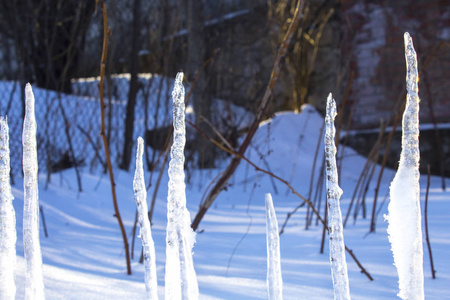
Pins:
x: 274, y: 280
x: 34, y: 286
x: 405, y: 232
x: 334, y: 192
x: 83, y: 255
x: 181, y: 279
x: 140, y: 196
x: 7, y: 219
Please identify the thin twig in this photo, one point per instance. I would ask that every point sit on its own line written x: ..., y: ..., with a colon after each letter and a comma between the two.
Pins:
x: 433, y: 271
x: 307, y: 201
x: 229, y: 171
x: 434, y: 122
x: 297, y: 151
x: 197, y: 75
x: 340, y: 151
x: 69, y: 142
x: 325, y: 227
x: 133, y: 234
x: 236, y: 154
x: 95, y: 148
x: 372, y: 158
x: 313, y: 171
x: 41, y: 210
x: 217, y: 132
x: 289, y: 215
x: 103, y: 135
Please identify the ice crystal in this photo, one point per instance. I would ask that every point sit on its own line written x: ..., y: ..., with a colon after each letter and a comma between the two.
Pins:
x: 404, y: 229
x: 180, y: 278
x: 274, y: 279
x: 7, y: 219
x: 140, y: 195
x: 334, y: 192
x: 34, y: 285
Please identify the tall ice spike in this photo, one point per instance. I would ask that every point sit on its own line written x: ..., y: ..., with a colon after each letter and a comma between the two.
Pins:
x: 404, y: 229
x: 334, y: 192
x: 7, y: 219
x: 34, y: 284
x: 181, y: 279
x: 274, y: 278
x: 140, y: 196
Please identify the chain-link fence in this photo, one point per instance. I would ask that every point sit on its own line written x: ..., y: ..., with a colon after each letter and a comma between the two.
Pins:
x: 68, y: 126
x: 68, y: 131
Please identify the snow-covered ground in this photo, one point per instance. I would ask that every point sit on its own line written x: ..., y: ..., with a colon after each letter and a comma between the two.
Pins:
x: 84, y: 259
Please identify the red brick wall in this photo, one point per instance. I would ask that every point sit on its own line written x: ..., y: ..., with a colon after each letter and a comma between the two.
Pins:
x: 372, y: 47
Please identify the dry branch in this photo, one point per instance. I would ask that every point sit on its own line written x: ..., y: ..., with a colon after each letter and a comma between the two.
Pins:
x: 433, y: 271
x: 103, y: 135
x: 222, y: 181
x: 285, y: 182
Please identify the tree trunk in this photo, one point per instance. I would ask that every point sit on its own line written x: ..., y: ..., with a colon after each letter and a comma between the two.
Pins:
x: 134, y: 87
x: 202, y: 102
x: 234, y: 163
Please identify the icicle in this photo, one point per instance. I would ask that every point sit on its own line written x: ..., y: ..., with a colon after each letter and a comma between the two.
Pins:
x: 7, y: 219
x: 274, y: 279
x: 405, y: 232
x: 34, y: 285
x: 334, y: 192
x: 181, y: 279
x: 140, y: 195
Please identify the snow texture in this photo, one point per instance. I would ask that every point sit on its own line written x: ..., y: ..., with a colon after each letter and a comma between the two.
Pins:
x: 180, y: 278
x: 404, y: 229
x: 34, y: 285
x: 140, y: 195
x: 7, y: 219
x: 82, y: 268
x: 334, y: 192
x: 274, y: 279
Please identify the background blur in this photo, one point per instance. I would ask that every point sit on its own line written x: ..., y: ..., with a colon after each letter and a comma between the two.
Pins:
x: 353, y: 49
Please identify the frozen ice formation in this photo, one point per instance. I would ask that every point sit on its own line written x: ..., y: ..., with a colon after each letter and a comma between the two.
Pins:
x: 8, y: 235
x: 334, y: 192
x: 404, y: 229
x: 140, y: 195
x: 180, y: 279
x: 34, y: 284
x: 274, y: 279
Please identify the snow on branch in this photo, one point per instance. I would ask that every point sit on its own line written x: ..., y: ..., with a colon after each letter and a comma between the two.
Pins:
x: 7, y: 219
x: 274, y: 279
x: 140, y: 195
x: 34, y: 284
x: 334, y: 192
x: 404, y: 229
x: 180, y: 278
